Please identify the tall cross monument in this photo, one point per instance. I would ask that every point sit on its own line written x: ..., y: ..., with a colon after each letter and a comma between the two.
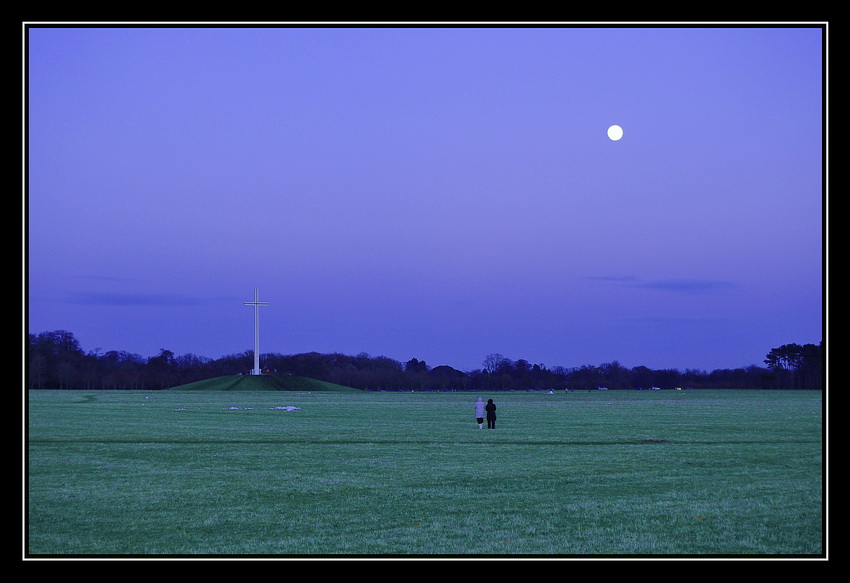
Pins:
x: 256, y: 303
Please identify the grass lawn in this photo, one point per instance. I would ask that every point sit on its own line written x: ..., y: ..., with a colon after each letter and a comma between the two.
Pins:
x: 661, y: 473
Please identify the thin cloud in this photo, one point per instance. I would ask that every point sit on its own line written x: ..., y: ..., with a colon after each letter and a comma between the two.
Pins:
x: 131, y: 299
x: 688, y: 286
x: 684, y: 286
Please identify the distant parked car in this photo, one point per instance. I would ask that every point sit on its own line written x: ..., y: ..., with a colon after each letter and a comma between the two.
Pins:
x: 603, y: 388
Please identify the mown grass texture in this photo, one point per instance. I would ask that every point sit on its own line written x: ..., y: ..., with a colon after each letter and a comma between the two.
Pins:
x: 617, y: 473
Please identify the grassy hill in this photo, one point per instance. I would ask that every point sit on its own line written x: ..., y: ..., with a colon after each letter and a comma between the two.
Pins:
x: 261, y: 383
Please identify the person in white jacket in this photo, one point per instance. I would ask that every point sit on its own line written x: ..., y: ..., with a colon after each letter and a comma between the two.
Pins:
x: 480, y: 412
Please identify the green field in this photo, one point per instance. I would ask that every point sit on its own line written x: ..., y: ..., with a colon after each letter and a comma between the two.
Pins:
x: 662, y: 473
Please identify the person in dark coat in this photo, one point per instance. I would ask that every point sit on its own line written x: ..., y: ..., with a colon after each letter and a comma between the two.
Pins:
x: 491, y: 414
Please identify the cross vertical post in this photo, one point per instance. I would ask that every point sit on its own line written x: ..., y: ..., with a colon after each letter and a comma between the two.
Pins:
x: 256, y: 303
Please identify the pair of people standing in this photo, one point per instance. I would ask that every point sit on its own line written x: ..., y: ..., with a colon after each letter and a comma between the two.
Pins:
x: 485, y: 410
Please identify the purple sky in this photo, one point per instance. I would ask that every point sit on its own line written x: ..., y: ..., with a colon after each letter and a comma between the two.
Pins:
x: 437, y: 193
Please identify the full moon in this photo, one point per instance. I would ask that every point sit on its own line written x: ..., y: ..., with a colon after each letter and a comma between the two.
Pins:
x: 615, y: 132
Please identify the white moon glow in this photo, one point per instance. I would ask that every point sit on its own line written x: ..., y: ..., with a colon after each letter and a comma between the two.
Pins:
x: 615, y: 132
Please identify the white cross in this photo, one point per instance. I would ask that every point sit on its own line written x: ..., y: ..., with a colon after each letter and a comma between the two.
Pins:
x: 256, y: 303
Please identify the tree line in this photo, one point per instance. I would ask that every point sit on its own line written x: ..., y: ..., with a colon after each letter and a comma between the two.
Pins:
x: 55, y: 360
